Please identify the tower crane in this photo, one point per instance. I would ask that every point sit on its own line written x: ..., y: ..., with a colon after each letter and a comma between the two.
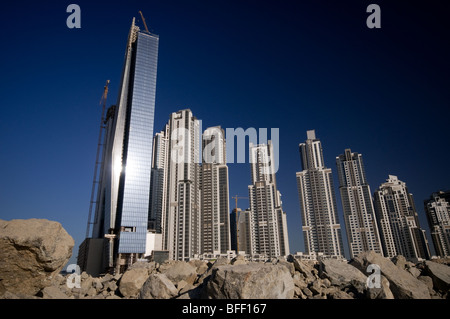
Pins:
x: 143, y: 20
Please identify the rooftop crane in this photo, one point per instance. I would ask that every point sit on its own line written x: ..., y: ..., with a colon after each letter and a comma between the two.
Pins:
x: 143, y: 20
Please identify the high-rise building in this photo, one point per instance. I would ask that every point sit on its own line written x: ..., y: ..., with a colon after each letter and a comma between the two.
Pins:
x: 321, y: 227
x: 179, y: 189
x: 215, y: 223
x: 359, y: 214
x: 437, y: 208
x: 268, y: 228
x: 398, y: 221
x: 121, y: 214
x: 240, y: 230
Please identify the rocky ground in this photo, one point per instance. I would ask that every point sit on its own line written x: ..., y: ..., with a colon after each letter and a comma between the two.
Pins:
x: 37, y: 275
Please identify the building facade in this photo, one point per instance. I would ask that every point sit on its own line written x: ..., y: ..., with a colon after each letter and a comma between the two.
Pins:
x: 121, y: 213
x: 398, y: 221
x: 437, y: 208
x: 268, y: 227
x: 215, y: 223
x: 357, y: 205
x: 321, y: 227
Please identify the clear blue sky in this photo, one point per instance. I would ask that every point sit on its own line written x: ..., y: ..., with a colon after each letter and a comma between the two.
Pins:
x: 292, y: 65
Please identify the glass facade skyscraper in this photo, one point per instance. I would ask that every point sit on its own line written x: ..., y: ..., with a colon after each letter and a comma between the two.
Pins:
x: 121, y: 216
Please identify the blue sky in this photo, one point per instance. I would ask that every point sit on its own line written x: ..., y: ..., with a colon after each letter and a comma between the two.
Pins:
x: 292, y: 65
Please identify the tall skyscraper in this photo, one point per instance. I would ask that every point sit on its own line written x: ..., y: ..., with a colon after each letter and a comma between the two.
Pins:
x: 180, y: 212
x: 269, y: 234
x: 215, y: 223
x: 359, y: 214
x: 321, y: 227
x: 398, y: 221
x: 122, y: 207
x: 437, y: 208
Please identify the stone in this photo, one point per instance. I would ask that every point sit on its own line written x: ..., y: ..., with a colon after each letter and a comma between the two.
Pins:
x: 339, y: 294
x: 307, y: 292
x: 53, y: 292
x: 132, y: 281
x: 299, y: 280
x: 238, y: 260
x: 402, y: 284
x: 414, y: 271
x: 400, y: 261
x: 428, y: 281
x: 384, y: 292
x: 181, y: 271
x: 158, y: 286
x: 200, y: 266
x: 252, y: 281
x: 32, y: 253
x: 290, y: 266
x: 316, y: 287
x: 304, y: 268
x: 440, y: 273
x: 219, y: 262
x: 342, y: 274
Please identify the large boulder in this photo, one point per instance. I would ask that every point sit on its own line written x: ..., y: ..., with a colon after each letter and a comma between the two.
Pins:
x: 132, y: 281
x: 181, y: 270
x: 252, y: 281
x: 158, y: 286
x: 440, y: 273
x: 32, y: 253
x: 342, y: 274
x: 402, y: 284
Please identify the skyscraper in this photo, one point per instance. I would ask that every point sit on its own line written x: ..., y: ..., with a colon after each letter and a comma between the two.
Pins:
x: 180, y: 211
x: 268, y: 226
x: 215, y: 223
x: 437, y: 208
x: 398, y: 221
x: 359, y: 214
x: 122, y: 208
x: 321, y: 227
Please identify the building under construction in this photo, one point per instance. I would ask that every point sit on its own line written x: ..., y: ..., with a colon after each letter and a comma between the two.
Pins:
x: 117, y: 229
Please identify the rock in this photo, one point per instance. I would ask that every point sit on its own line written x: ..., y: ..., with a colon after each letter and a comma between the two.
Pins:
x: 384, y: 292
x: 316, y: 288
x: 200, y: 266
x: 304, y: 268
x: 290, y: 266
x: 440, y: 273
x: 217, y: 263
x: 400, y: 261
x: 32, y: 253
x: 252, y: 281
x: 132, y: 281
x: 339, y: 294
x: 181, y: 271
x: 307, y: 292
x: 238, y: 260
x: 428, y: 281
x: 414, y: 271
x: 342, y: 274
x: 158, y: 286
x: 53, y: 292
x: 402, y: 284
x: 299, y: 280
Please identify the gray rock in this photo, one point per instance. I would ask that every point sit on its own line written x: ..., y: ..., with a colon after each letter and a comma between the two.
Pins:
x: 53, y: 292
x: 402, y: 284
x: 252, y: 281
x: 132, y: 281
x: 384, y: 292
x: 428, y: 281
x: 200, y: 266
x: 342, y: 274
x: 305, y: 268
x: 339, y: 294
x: 181, y: 271
x: 32, y: 253
x: 158, y: 286
x: 440, y: 274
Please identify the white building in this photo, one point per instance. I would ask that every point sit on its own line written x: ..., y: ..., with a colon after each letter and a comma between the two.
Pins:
x: 398, y: 221
x: 321, y: 227
x: 268, y: 228
x: 359, y: 213
x: 438, y: 215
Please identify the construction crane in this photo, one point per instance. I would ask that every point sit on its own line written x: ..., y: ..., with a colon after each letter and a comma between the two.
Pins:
x: 96, y: 182
x: 236, y: 199
x: 143, y: 20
